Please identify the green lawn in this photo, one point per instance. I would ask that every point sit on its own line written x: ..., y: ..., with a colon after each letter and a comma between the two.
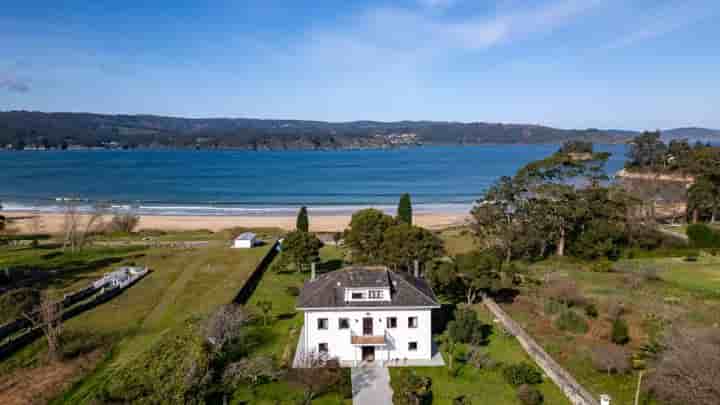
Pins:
x: 485, y: 386
x: 458, y: 240
x: 281, y: 336
x: 183, y: 283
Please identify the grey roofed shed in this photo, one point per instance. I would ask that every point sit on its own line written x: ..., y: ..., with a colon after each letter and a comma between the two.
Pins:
x: 246, y: 236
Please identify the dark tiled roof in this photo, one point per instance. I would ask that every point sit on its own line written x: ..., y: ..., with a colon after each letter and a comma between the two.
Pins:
x: 327, y: 290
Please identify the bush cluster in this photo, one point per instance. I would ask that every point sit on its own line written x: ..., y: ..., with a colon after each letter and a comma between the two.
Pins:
x: 522, y: 373
x: 571, y: 321
x: 702, y: 236
x: 411, y: 389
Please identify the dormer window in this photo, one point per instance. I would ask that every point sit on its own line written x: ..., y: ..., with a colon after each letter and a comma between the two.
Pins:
x: 375, y: 294
x: 367, y: 294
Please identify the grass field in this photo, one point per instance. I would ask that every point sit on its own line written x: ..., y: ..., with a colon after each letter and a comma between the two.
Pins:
x: 683, y: 293
x: 485, y: 386
x: 183, y: 283
x: 457, y: 240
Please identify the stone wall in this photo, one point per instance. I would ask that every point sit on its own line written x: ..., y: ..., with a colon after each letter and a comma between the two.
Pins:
x: 567, y: 383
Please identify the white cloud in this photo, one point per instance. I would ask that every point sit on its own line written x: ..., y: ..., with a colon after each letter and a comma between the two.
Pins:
x: 415, y: 31
x: 14, y: 84
x: 660, y: 22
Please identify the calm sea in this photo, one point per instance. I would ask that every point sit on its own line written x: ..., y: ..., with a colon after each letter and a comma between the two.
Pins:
x: 183, y: 182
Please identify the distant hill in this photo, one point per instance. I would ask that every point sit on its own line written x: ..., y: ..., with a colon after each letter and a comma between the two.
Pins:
x: 30, y: 129
x: 693, y: 134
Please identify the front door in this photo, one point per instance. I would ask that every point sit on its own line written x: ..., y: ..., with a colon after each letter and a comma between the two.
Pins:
x: 367, y: 326
x: 368, y: 353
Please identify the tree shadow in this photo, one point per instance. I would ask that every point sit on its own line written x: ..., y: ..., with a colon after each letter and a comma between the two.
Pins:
x: 285, y: 316
x: 442, y: 316
x: 506, y: 295
x: 330, y: 265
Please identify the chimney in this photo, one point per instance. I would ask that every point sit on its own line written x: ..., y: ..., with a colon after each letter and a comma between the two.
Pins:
x: 417, y: 269
x: 312, y: 271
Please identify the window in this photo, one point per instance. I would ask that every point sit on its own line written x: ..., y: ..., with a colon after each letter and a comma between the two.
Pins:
x: 412, y: 322
x: 322, y: 323
x: 375, y: 294
x: 412, y: 346
x: 343, y: 323
x: 357, y: 295
x: 322, y: 347
x: 392, y: 322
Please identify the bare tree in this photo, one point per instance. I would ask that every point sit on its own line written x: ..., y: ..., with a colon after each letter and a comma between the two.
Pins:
x: 36, y: 224
x: 49, y: 319
x: 610, y: 358
x: 688, y: 371
x: 255, y: 371
x: 77, y: 226
x: 224, y: 325
x: 317, y: 376
x: 124, y: 222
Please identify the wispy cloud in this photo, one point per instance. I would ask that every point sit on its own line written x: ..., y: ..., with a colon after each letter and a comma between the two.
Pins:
x: 663, y: 21
x: 437, y: 3
x: 416, y: 31
x: 13, y: 84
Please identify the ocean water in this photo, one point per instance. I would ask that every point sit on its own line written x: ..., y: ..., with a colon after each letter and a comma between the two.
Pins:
x: 185, y: 182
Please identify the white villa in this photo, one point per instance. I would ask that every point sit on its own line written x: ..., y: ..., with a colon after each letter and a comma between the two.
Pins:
x: 245, y: 241
x: 367, y: 314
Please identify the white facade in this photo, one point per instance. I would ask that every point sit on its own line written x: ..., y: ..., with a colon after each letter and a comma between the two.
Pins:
x: 245, y: 241
x: 381, y: 334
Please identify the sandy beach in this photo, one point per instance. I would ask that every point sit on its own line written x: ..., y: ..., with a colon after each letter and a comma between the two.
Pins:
x: 52, y: 223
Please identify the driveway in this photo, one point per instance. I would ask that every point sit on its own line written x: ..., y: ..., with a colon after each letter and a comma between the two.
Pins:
x: 371, y: 385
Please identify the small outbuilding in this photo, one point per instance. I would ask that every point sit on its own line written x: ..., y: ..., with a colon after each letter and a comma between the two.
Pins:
x: 245, y: 241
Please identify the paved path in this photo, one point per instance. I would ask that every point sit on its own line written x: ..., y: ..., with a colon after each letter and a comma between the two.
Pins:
x: 371, y: 386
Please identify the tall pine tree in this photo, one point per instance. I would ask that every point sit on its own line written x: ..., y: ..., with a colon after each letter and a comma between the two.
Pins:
x: 302, y: 224
x: 404, y: 212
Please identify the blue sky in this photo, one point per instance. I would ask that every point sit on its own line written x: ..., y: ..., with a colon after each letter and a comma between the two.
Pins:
x: 635, y: 64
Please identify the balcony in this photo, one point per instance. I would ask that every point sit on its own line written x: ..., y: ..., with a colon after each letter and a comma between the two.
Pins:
x: 368, y: 340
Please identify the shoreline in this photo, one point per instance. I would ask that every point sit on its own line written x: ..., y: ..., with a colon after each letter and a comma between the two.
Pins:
x: 52, y: 222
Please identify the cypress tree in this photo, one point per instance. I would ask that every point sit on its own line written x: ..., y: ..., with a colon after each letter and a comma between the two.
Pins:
x: 404, y: 212
x: 302, y: 224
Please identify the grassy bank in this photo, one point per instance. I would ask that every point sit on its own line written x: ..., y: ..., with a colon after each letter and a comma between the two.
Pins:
x: 482, y: 386
x: 672, y: 291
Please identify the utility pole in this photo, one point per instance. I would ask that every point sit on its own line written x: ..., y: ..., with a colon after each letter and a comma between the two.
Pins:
x: 637, y: 392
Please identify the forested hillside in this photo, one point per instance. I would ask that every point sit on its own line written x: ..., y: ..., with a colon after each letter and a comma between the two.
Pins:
x: 61, y: 130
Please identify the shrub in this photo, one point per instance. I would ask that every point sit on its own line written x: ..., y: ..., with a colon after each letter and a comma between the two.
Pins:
x: 293, y: 290
x: 521, y: 373
x: 16, y: 302
x: 564, y: 291
x: 591, y: 310
x: 529, y: 395
x: 572, y: 322
x: 411, y: 389
x: 603, y: 266
x: 686, y: 372
x: 610, y: 359
x: 467, y: 328
x: 702, y: 236
x: 620, y: 333
x: 616, y: 309
x: 461, y: 400
x: 553, y: 307
x: 481, y: 359
x: 124, y: 223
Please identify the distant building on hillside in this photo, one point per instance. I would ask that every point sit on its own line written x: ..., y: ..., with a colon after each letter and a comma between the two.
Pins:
x: 245, y: 241
x: 367, y: 314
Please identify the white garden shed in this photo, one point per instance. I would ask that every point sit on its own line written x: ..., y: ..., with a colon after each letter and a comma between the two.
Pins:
x: 245, y: 241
